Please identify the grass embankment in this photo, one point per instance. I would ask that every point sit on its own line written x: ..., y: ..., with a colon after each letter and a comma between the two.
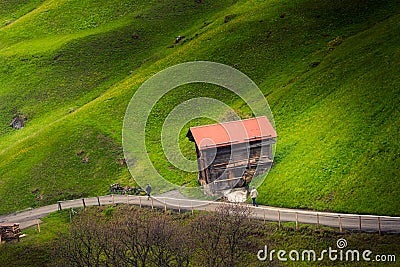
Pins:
x: 327, y: 68
x: 35, y: 249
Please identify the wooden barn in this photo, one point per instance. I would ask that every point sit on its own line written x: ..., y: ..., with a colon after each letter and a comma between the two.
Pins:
x: 229, y: 154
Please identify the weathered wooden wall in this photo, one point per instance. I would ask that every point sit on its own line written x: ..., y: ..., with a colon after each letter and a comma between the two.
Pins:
x: 234, y: 165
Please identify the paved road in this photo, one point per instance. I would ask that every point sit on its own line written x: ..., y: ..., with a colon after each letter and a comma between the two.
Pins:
x: 367, y: 223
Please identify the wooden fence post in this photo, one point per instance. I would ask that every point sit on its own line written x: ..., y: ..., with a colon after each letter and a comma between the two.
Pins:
x: 379, y: 225
x: 359, y: 223
x: 152, y: 203
x: 165, y: 206
x: 127, y: 198
x: 38, y: 225
x: 318, y: 220
x: 340, y: 224
x: 140, y: 202
x: 112, y: 199
x: 297, y: 221
x: 279, y: 218
x: 264, y: 216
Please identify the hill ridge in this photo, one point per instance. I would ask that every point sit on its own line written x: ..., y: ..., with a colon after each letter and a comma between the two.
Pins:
x: 307, y: 64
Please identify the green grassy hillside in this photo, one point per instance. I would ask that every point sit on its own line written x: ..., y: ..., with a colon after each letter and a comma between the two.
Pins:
x: 329, y: 70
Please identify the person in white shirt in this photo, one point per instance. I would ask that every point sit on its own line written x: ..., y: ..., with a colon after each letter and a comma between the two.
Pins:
x: 254, y: 195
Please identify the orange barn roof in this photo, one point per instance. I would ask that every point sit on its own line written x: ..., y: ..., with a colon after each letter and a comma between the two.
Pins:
x: 233, y: 132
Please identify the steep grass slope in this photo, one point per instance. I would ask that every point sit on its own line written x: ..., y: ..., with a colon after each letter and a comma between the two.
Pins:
x: 327, y: 68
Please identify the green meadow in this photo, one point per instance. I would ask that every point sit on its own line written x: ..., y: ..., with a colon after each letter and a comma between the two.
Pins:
x: 329, y: 70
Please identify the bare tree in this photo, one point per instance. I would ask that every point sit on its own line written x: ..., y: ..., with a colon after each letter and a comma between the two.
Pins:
x: 208, y: 232
x: 113, y: 247
x: 162, y: 233
x: 81, y: 247
x: 182, y: 245
x: 143, y: 237
x: 236, y: 231
x: 171, y: 244
x: 221, y: 236
x: 136, y: 238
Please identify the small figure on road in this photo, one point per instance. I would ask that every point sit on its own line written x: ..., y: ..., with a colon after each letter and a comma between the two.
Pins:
x: 148, y: 191
x: 254, y: 195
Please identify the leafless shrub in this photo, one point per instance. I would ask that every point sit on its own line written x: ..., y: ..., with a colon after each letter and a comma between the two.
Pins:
x: 221, y: 236
x: 83, y: 245
x: 144, y: 237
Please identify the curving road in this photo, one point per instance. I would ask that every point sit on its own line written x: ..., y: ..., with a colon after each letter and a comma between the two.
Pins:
x: 366, y: 223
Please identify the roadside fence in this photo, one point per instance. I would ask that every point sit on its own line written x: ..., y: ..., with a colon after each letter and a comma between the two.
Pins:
x: 353, y: 222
